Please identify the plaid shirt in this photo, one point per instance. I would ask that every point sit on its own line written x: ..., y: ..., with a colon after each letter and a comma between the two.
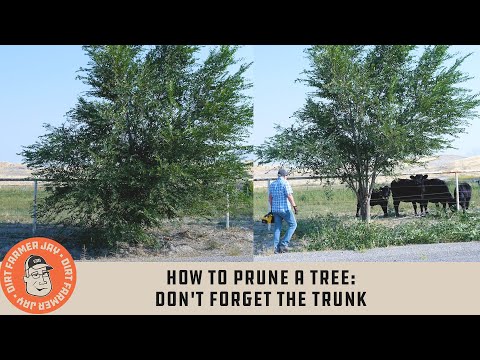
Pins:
x: 279, y: 190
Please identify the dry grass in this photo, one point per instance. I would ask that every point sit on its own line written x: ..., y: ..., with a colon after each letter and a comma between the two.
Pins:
x: 175, y: 240
x: 444, y: 163
x: 13, y: 171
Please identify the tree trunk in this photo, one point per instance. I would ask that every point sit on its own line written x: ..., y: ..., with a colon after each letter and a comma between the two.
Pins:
x: 364, y: 198
x: 367, y: 207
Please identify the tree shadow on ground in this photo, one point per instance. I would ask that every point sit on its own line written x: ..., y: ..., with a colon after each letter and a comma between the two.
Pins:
x: 173, y: 240
x: 12, y: 233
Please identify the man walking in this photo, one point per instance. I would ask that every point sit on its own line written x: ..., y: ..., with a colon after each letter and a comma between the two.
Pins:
x: 280, y: 197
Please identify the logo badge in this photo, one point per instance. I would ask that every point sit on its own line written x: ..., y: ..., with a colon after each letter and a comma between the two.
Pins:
x: 38, y: 275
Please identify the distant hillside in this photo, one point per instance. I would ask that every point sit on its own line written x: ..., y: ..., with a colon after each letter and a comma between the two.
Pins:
x: 13, y: 170
x: 443, y: 163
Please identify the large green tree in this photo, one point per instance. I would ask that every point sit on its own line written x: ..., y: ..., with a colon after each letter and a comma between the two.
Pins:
x: 372, y: 108
x: 158, y: 134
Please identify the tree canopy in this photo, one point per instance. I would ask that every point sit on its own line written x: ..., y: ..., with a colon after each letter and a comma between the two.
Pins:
x: 371, y: 109
x: 158, y: 134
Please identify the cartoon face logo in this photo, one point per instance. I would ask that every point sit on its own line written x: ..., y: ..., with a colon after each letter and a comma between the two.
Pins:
x: 37, y: 276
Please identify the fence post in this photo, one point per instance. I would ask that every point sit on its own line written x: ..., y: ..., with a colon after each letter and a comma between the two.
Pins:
x: 269, y: 226
x: 367, y: 204
x: 227, y: 225
x: 34, y: 227
x: 457, y: 192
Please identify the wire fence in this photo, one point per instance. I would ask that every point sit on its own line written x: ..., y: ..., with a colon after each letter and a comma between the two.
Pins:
x: 19, y: 201
x: 12, y: 203
x: 322, y: 195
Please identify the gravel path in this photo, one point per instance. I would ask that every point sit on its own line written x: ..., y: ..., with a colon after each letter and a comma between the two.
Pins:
x: 204, y: 258
x: 445, y: 252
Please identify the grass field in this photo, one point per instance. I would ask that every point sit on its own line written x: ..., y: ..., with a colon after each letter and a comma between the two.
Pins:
x: 315, y: 200
x: 326, y: 220
x: 177, y: 238
x: 16, y: 203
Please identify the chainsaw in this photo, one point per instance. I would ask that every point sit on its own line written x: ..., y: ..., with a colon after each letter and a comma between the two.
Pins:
x: 268, y: 218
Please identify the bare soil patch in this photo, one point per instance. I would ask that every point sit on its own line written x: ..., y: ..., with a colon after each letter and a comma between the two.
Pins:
x: 176, y: 240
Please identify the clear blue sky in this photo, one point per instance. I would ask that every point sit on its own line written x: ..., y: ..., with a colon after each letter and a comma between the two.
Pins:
x: 38, y: 86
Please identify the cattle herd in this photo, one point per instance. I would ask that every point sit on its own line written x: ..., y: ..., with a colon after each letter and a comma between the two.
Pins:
x: 422, y: 190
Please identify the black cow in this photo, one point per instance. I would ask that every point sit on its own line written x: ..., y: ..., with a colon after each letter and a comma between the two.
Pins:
x: 436, y: 191
x: 464, y: 195
x: 379, y: 197
x: 408, y: 191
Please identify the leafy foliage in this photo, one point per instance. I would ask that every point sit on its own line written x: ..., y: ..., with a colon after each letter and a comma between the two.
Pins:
x: 372, y: 108
x: 159, y: 134
x: 330, y: 232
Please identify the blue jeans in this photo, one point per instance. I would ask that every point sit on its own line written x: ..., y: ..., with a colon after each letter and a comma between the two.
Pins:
x: 289, y: 217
